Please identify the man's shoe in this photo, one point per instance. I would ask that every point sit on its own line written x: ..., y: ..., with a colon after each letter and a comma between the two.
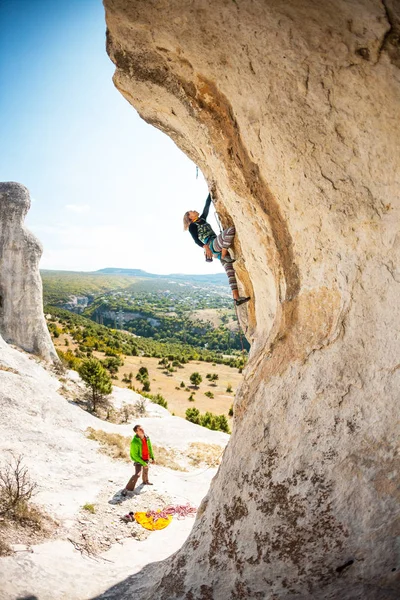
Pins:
x: 147, y: 483
x: 242, y: 300
x: 124, y: 493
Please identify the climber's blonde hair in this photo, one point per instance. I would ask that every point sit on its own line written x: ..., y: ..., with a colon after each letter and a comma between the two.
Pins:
x: 186, y: 221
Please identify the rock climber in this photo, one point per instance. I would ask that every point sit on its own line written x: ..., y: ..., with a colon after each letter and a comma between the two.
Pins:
x: 141, y: 454
x: 214, y: 245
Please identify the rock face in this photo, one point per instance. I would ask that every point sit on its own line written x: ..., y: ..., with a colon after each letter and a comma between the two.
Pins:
x: 21, y: 306
x: 291, y: 109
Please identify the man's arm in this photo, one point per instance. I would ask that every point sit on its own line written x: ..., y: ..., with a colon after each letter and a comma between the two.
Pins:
x: 206, y: 209
x: 193, y: 233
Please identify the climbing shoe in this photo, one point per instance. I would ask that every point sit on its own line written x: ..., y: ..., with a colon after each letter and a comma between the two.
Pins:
x: 229, y: 261
x: 241, y: 300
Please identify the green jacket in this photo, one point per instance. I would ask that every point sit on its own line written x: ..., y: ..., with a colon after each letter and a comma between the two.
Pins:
x: 136, y: 450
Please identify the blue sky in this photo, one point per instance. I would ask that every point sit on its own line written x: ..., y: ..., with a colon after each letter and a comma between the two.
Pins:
x: 107, y: 189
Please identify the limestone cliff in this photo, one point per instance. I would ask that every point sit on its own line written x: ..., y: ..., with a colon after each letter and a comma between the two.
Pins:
x: 291, y: 109
x: 21, y: 306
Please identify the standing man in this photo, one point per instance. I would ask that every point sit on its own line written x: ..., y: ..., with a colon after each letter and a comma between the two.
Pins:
x: 141, y: 453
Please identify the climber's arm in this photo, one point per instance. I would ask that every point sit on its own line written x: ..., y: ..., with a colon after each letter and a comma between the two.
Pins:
x: 206, y: 209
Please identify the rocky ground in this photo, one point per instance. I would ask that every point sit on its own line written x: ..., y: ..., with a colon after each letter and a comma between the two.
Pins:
x: 85, y: 546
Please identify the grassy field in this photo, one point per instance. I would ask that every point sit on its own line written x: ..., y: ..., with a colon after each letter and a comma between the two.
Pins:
x: 59, y: 285
x: 166, y: 385
x: 215, y: 317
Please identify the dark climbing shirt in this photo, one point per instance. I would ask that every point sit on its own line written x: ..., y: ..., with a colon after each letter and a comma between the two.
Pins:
x: 200, y: 229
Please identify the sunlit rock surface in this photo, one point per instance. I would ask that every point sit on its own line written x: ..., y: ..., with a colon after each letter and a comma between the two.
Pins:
x: 21, y: 306
x: 291, y: 109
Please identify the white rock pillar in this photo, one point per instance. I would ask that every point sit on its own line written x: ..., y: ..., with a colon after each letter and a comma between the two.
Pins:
x: 21, y: 300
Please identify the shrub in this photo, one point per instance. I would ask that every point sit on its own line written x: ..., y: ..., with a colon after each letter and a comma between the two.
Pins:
x: 138, y: 409
x: 69, y: 359
x: 165, y: 457
x: 191, y: 398
x: 59, y: 368
x: 229, y: 389
x: 146, y: 385
x: 202, y: 453
x: 230, y: 412
x: 89, y: 507
x: 5, y: 549
x: 112, y: 364
x: 209, y: 395
x: 16, y: 488
x: 193, y: 415
x: 213, y: 378
x: 143, y: 373
x: 113, y: 444
x: 157, y: 399
x: 182, y: 384
x: 209, y: 420
x: 196, y: 379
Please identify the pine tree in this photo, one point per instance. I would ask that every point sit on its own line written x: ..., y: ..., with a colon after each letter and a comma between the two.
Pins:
x: 97, y: 380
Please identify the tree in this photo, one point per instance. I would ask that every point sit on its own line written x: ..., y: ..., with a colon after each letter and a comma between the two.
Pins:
x: 196, y: 379
x: 97, y: 380
x: 112, y: 364
x: 213, y: 378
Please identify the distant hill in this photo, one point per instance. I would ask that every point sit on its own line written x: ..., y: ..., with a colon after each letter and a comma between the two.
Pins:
x: 214, y: 278
x: 59, y: 286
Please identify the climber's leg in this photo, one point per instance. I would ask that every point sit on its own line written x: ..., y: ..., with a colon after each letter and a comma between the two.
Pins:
x: 223, y: 241
x: 233, y: 283
x: 231, y: 278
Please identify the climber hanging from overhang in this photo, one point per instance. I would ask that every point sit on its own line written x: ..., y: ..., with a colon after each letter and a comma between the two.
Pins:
x: 216, y: 246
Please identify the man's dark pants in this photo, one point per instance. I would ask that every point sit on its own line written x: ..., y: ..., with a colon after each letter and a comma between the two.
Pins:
x: 133, y: 480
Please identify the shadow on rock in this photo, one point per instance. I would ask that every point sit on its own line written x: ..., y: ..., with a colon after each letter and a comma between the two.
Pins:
x: 118, y: 498
x: 141, y: 585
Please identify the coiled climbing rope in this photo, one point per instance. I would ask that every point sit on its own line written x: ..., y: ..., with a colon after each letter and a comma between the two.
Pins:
x: 181, y: 511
